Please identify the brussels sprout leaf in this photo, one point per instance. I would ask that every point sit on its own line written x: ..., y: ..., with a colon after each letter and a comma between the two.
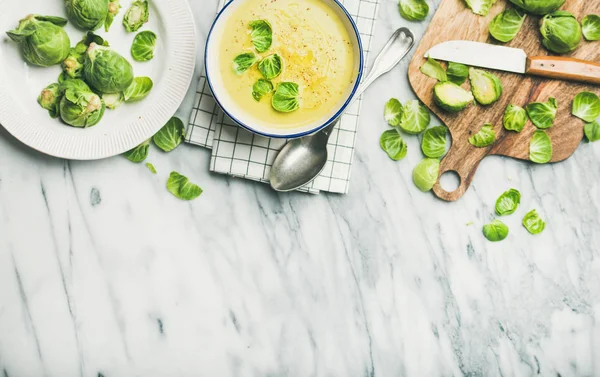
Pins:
x: 508, y: 202
x: 533, y: 222
x: 434, y: 143
x: 139, y: 89
x: 392, y: 143
x: 506, y: 25
x: 262, y: 35
x: 434, y: 69
x: 136, y: 16
x: 139, y: 153
x: 515, y: 118
x: 181, y: 187
x: 457, y: 73
x: 485, y: 137
x: 244, y: 62
x: 540, y: 147
x: 415, y: 117
x: 393, y: 112
x: 151, y: 168
x: 480, y: 7
x: 285, y: 99
x: 413, y: 10
x: 542, y: 114
x: 426, y: 173
x: 143, y: 46
x: 170, y: 136
x: 113, y: 10
x: 592, y: 131
x: 495, y: 231
x: 261, y: 88
x: 271, y: 66
x: 591, y: 27
x: 586, y: 106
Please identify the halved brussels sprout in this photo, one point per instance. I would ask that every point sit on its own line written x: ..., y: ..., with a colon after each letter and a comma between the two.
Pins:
x: 107, y: 71
x: 508, y: 202
x: 113, y: 100
x: 592, y: 131
x: 515, y: 118
x: 538, y: 7
x: 506, y: 25
x: 486, y: 87
x: 170, y: 136
x: 413, y: 10
x: 262, y: 35
x: 393, y: 112
x: 542, y: 114
x: 451, y: 97
x: 533, y: 222
x: 139, y: 153
x: 590, y: 27
x: 139, y: 89
x: 434, y: 142
x: 143, y: 46
x: 261, y: 88
x: 271, y: 66
x: 586, y: 106
x: 561, y: 33
x: 42, y: 39
x: 113, y: 9
x: 484, y: 137
x: 136, y: 16
x: 285, y: 99
x: 426, y: 173
x: 415, y: 117
x: 392, y: 143
x: 434, y: 69
x: 495, y: 231
x: 79, y: 106
x: 244, y: 62
x: 181, y: 187
x: 457, y: 73
x: 87, y: 14
x: 480, y: 7
x: 540, y: 148
x: 49, y: 99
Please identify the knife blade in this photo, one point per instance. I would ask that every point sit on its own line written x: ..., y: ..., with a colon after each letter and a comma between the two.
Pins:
x: 484, y: 55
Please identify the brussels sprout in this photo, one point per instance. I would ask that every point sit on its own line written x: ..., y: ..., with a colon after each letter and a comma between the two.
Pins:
x: 413, y: 10
x: 542, y: 114
x: 538, y: 7
x: 457, y: 73
x: 592, y: 131
x: 170, y: 136
x: 433, y: 144
x: 285, y: 99
x: 49, y: 99
x: 136, y: 16
x: 533, y: 223
x: 71, y: 84
x: 143, y: 45
x: 540, y: 148
x: 151, y: 168
x: 415, y: 117
x: 590, y: 27
x: 261, y: 88
x: 393, y: 112
x: 506, y: 25
x: 181, y: 187
x: 139, y: 89
x: 480, y: 7
x: 495, y: 231
x: 73, y: 65
x: 561, y: 33
x: 87, y: 14
x: 139, y: 153
x: 486, y: 87
x: 434, y: 69
x: 426, y: 173
x: 515, y: 118
x: 113, y: 9
x: 106, y: 70
x: 113, y: 100
x: 508, y: 202
x: 271, y: 66
x: 244, y: 62
x: 586, y: 106
x: 42, y: 39
x: 79, y: 106
x: 485, y: 137
x: 262, y: 35
x: 392, y: 143
x: 451, y: 97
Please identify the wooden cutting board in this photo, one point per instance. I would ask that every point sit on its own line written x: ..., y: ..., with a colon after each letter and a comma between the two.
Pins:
x: 454, y: 21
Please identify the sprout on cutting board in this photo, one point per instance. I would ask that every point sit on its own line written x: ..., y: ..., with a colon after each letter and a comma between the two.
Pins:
x: 486, y: 87
x: 561, y: 32
x: 485, y: 137
x: 142, y: 48
x: 426, y: 174
x: 113, y: 9
x: 139, y: 153
x: 538, y: 7
x: 393, y: 112
x: 415, y: 117
x: 495, y: 231
x: 592, y: 131
x: 451, y: 97
x: 434, y: 69
x: 285, y: 99
x: 49, y: 99
x: 42, y: 39
x: 540, y: 147
x: 508, y: 202
x: 434, y: 142
x: 262, y: 35
x: 590, y: 27
x: 515, y: 118
x: 533, y: 222
x: 480, y: 7
x: 271, y: 66
x: 586, y: 106
x: 139, y: 89
x: 392, y: 143
x: 170, y: 136
x: 506, y: 25
x: 457, y: 73
x: 244, y: 62
x: 79, y: 106
x: 542, y: 114
x: 413, y: 10
x: 136, y: 16
x: 107, y: 71
x: 87, y: 14
x: 261, y: 88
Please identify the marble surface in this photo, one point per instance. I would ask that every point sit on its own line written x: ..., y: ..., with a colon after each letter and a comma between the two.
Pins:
x: 104, y: 273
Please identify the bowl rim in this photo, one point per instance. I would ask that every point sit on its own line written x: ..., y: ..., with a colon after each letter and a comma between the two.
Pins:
x: 298, y: 134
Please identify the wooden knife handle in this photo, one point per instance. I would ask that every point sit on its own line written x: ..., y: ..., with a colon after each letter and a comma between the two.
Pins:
x: 563, y: 68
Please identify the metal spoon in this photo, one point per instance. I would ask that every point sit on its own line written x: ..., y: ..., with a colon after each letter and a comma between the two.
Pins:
x: 303, y: 159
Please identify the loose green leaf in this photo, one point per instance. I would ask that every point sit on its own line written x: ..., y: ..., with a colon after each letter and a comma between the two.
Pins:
x: 393, y: 144
x: 533, y: 222
x: 590, y: 26
x: 451, y: 97
x: 87, y: 14
x: 244, y: 62
x: 515, y: 118
x: 142, y: 49
x: 393, y: 112
x: 486, y: 87
x: 113, y: 9
x: 480, y: 7
x: 434, y: 143
x: 586, y: 106
x: 415, y: 117
x: 426, y: 173
x: 151, y: 168
x: 485, y: 137
x: 495, y: 231
x: 413, y: 10
x: 181, y: 187
x: 170, y: 136
x: 50, y: 98
x: 538, y: 7
x: 561, y: 32
x: 285, y: 99
x: 136, y: 16
x: 457, y: 73
x: 540, y: 147
x: 139, y: 89
x: 271, y: 66
x: 542, y: 114
x: 592, y: 131
x: 113, y: 100
x: 262, y: 35
x: 506, y: 25
x: 508, y: 202
x: 261, y: 88
x: 139, y: 153
x: 434, y: 69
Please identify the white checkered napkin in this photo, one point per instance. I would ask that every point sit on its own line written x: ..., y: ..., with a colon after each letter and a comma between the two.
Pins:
x: 240, y: 153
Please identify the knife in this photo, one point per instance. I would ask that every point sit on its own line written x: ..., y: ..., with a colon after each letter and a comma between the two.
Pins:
x: 515, y: 60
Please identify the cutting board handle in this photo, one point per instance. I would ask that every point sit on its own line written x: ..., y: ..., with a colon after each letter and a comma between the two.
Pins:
x: 563, y: 68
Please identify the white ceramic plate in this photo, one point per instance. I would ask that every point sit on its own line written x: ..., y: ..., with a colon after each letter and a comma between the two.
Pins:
x: 120, y: 130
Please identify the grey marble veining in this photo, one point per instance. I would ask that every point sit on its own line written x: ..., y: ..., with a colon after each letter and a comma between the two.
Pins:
x: 104, y: 273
